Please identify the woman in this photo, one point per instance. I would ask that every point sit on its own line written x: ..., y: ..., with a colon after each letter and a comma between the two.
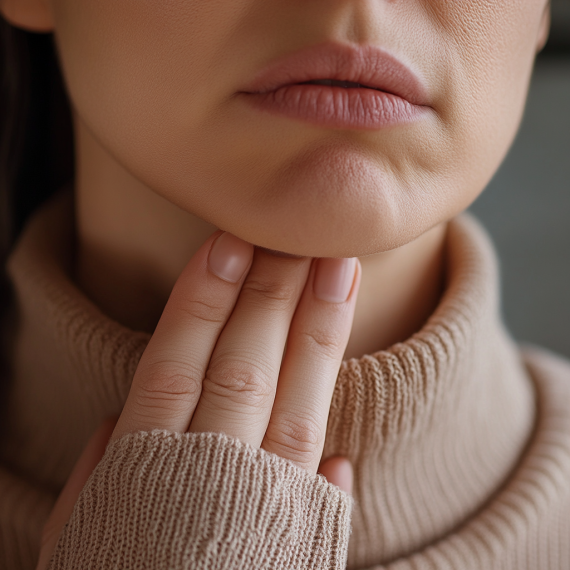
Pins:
x: 200, y: 281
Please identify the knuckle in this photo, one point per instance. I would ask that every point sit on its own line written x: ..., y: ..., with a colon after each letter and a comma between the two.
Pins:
x: 203, y: 311
x: 271, y: 293
x: 328, y: 343
x: 244, y: 384
x: 167, y: 389
x: 296, y: 437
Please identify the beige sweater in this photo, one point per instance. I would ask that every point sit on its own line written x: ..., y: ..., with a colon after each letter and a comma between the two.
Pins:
x: 460, y: 443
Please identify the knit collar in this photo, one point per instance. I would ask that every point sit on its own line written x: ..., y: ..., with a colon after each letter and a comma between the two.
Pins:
x: 433, y: 425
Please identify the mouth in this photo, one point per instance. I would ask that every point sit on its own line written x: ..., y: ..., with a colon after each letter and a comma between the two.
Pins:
x: 346, y: 66
x: 340, y: 86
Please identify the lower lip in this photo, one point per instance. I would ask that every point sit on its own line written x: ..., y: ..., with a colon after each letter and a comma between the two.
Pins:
x: 338, y: 107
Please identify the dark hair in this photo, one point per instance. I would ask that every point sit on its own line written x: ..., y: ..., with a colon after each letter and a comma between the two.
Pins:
x: 36, y: 148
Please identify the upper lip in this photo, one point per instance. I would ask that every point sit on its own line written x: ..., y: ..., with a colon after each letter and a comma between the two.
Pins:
x: 367, y: 65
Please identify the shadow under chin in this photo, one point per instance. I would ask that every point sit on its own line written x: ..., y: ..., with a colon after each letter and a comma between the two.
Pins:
x: 279, y: 253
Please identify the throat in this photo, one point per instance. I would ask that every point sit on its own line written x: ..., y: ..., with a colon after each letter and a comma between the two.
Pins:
x: 400, y: 290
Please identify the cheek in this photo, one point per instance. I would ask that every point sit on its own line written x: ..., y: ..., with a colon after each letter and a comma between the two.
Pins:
x: 140, y: 70
x: 491, y: 48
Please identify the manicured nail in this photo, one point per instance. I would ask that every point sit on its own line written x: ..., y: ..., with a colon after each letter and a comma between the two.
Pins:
x: 230, y: 257
x: 334, y: 278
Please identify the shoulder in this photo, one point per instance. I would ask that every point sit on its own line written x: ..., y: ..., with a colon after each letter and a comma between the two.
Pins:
x: 550, y: 373
x: 549, y: 449
x: 525, y: 523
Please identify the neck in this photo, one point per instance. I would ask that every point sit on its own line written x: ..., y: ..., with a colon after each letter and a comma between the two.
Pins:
x: 133, y: 244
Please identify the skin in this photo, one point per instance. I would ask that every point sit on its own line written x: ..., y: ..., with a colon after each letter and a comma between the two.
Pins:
x: 168, y: 153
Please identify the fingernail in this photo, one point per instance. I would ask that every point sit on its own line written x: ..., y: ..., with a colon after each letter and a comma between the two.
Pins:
x: 230, y: 257
x: 334, y: 278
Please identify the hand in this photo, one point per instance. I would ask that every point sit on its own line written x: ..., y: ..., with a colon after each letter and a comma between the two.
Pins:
x: 217, y: 360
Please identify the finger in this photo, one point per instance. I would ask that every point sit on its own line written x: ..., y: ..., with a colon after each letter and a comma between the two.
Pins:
x: 338, y: 471
x: 315, y: 347
x: 63, y: 507
x: 168, y: 381
x: 239, y: 387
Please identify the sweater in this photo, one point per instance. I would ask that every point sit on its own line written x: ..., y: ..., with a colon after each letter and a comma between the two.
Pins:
x: 459, y: 439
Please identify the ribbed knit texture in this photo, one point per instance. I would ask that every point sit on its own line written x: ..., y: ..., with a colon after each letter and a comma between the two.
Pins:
x: 203, y: 502
x: 460, y: 441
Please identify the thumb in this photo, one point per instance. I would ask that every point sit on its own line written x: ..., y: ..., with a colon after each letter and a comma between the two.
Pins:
x: 338, y: 471
x: 63, y: 507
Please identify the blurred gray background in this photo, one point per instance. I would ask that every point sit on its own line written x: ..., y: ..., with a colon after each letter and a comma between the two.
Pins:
x: 526, y: 208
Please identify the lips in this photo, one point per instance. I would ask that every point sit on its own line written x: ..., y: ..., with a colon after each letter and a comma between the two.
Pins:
x: 340, y: 86
x: 338, y: 83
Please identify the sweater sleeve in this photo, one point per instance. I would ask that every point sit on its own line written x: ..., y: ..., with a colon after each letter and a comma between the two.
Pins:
x: 159, y: 500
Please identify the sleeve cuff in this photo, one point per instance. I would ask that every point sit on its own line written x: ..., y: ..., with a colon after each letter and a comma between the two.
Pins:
x: 160, y: 500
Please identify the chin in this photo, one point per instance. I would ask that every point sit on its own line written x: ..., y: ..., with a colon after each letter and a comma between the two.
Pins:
x: 330, y: 203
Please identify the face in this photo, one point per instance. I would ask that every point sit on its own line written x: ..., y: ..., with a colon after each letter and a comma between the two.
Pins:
x: 161, y: 86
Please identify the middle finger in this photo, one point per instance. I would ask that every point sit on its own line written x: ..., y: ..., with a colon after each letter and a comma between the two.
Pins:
x: 239, y: 388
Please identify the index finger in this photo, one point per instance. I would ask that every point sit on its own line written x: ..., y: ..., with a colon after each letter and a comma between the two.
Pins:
x: 168, y: 380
